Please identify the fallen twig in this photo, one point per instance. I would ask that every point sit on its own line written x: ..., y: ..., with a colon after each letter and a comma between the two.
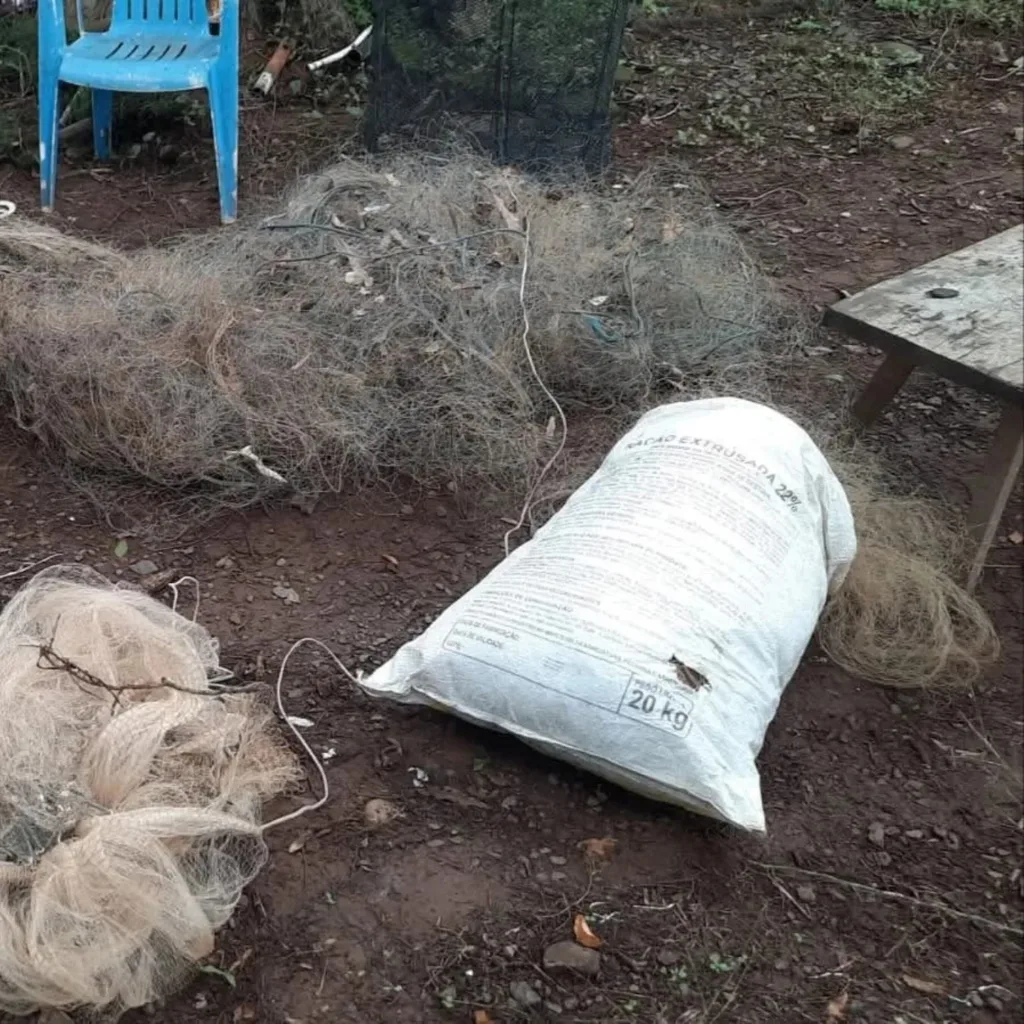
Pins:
x: 789, y: 896
x: 50, y: 659
x: 901, y: 897
x: 25, y: 568
x: 753, y: 200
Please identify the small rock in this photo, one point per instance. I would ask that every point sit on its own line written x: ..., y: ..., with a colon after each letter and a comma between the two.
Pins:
x: 149, y: 137
x: 569, y: 956
x: 557, y: 861
x: 899, y: 53
x: 901, y: 141
x: 553, y: 1008
x: 999, y: 107
x: 976, y: 999
x: 287, y: 594
x: 523, y: 994
x: 667, y: 957
x: 942, y: 293
x: 806, y: 893
x: 914, y: 833
x: 994, y: 1004
x: 144, y: 568
x: 379, y: 812
x: 876, y: 833
x: 1018, y: 134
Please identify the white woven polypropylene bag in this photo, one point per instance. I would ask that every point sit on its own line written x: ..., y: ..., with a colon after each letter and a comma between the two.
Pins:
x: 647, y: 631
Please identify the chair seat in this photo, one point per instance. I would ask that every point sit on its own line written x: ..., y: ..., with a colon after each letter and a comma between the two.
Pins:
x: 140, y: 61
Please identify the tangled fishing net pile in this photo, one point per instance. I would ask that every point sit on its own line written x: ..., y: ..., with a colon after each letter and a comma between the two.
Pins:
x: 372, y: 328
x: 131, y: 785
x: 395, y: 319
x: 902, y: 617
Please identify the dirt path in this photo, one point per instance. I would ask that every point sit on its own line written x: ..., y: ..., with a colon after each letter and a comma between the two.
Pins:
x: 889, y: 886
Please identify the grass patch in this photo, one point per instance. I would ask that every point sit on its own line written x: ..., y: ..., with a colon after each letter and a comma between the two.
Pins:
x: 17, y: 56
x: 994, y: 14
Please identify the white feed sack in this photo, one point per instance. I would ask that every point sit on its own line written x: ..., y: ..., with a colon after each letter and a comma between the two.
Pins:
x: 647, y: 631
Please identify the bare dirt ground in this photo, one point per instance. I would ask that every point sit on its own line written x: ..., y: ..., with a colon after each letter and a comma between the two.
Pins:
x: 888, y: 889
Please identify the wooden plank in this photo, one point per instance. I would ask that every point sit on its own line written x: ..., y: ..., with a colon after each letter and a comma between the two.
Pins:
x: 993, y: 487
x: 974, y: 337
x: 882, y: 388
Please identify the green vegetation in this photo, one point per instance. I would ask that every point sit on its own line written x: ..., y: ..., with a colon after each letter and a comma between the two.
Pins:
x: 997, y: 14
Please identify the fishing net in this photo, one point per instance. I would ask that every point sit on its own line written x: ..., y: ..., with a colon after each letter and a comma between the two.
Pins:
x: 130, y: 793
x: 529, y: 80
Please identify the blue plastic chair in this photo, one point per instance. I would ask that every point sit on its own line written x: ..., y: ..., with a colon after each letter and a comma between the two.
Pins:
x: 151, y: 46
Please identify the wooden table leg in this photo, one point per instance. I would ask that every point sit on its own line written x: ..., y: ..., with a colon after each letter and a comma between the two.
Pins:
x: 992, y: 490
x: 882, y: 388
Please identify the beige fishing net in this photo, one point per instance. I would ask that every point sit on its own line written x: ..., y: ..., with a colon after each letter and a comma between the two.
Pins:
x: 131, y: 783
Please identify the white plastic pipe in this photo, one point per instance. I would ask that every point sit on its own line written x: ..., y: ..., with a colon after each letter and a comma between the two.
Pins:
x: 357, y: 44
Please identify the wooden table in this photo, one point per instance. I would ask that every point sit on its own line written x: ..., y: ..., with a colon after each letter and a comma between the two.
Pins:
x: 962, y: 316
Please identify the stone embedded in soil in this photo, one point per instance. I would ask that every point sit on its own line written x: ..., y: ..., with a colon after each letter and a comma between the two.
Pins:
x: 523, y: 994
x: 568, y: 956
x: 876, y: 833
x: 144, y: 567
x: 667, y: 957
x: 379, y: 812
x: 899, y: 53
x: 806, y: 893
x: 901, y: 141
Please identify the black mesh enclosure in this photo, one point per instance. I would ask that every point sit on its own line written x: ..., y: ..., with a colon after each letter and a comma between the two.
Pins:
x: 529, y: 81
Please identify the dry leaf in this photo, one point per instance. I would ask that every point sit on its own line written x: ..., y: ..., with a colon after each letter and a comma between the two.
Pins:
x: 928, y: 988
x: 599, y: 849
x: 584, y: 934
x: 1016, y: 537
x: 455, y: 796
x: 481, y: 1017
x: 358, y: 274
x: 837, y: 1007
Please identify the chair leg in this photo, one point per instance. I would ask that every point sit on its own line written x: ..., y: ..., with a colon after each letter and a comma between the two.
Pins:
x: 49, y: 114
x: 224, y: 112
x: 102, y: 122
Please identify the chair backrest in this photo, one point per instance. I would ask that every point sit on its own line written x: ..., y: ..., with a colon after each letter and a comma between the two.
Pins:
x: 179, y: 13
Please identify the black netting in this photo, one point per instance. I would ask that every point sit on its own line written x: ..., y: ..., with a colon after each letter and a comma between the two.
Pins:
x: 530, y: 81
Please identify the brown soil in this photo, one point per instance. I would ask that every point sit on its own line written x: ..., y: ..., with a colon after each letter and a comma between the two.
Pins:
x: 448, y: 909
